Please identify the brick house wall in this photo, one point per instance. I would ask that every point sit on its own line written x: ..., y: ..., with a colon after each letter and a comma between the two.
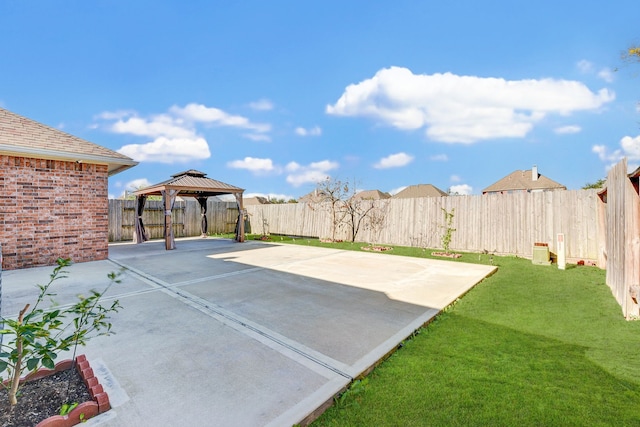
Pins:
x: 51, y: 209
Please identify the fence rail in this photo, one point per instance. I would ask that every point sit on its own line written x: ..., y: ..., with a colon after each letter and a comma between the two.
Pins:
x: 500, y: 224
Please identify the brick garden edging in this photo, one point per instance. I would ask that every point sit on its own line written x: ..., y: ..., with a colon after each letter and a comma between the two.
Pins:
x: 98, y: 404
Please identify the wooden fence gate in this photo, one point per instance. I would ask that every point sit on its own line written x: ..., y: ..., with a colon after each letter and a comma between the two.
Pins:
x: 622, y: 250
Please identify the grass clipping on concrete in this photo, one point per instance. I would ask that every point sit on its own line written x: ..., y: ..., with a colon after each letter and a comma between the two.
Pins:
x: 531, y: 345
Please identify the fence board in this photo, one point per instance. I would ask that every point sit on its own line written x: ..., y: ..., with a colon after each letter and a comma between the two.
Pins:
x: 497, y: 223
x: 185, y: 216
x: 623, y: 239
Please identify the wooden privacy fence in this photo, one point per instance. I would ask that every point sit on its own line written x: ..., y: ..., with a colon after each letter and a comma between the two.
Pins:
x: 185, y: 217
x: 622, y: 234
x: 500, y: 223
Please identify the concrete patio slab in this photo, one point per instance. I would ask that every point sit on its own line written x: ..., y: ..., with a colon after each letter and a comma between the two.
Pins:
x: 217, y: 333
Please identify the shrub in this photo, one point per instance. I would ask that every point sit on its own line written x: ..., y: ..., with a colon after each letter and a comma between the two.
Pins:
x: 38, y: 335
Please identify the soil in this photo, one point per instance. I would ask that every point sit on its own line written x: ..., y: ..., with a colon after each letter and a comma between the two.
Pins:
x: 377, y: 248
x: 446, y: 254
x: 43, y: 398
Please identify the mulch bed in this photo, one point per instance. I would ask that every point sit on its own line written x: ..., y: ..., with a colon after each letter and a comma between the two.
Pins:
x: 42, y: 398
x: 377, y: 248
x: 446, y: 254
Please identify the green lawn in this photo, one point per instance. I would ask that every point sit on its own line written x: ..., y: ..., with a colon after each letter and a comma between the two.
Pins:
x: 529, y: 346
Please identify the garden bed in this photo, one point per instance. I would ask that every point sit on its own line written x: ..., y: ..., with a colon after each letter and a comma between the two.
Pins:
x: 377, y: 248
x: 43, y: 394
x: 446, y: 254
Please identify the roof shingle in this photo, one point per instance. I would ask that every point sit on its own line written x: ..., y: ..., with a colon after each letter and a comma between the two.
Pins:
x: 25, y: 137
x: 522, y: 180
x: 419, y: 190
x: 192, y: 183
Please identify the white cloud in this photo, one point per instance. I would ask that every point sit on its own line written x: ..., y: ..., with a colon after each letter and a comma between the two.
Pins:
x: 455, y: 178
x: 462, y: 189
x: 312, y: 173
x: 563, y: 130
x: 201, y: 113
x: 257, y: 137
x: 130, y: 186
x: 175, y: 135
x: 439, y: 158
x: 397, y: 190
x: 315, y: 131
x: 270, y: 196
x: 254, y: 165
x: 629, y: 148
x: 261, y: 105
x: 160, y: 125
x: 394, y: 161
x: 463, y: 109
x: 606, y: 74
x: 114, y: 115
x: 137, y: 184
x: 585, y: 66
x: 168, y: 150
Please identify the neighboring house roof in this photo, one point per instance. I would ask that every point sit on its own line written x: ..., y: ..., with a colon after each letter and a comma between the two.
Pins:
x: 257, y: 200
x: 23, y: 137
x: 419, y: 190
x: 316, y: 196
x: 191, y: 183
x: 524, y: 180
x: 371, y: 195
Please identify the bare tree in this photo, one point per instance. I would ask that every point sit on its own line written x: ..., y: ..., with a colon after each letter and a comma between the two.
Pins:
x: 347, y: 209
x: 376, y: 219
x: 331, y: 194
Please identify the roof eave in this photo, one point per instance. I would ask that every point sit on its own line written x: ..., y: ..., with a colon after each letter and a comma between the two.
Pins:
x: 157, y: 190
x: 115, y: 164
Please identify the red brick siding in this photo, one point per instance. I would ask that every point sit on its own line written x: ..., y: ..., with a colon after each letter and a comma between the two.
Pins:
x: 51, y: 209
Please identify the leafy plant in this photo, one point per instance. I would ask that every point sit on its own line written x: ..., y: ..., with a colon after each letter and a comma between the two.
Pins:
x: 448, y: 234
x: 67, y: 408
x: 38, y: 335
x: 349, y: 397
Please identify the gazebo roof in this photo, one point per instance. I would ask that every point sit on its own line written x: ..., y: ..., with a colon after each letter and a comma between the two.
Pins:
x: 191, y: 183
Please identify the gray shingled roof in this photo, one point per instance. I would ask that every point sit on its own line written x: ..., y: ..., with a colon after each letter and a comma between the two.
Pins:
x: 191, y: 183
x: 23, y: 137
x: 522, y: 180
x: 315, y: 196
x: 419, y: 190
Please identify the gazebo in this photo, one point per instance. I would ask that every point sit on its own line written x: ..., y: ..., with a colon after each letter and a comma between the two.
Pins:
x: 191, y: 183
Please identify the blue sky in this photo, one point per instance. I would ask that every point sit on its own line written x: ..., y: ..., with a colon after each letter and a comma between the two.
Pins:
x: 273, y: 96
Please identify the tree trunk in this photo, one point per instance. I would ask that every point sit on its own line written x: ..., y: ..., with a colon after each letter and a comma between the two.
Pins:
x: 15, y: 381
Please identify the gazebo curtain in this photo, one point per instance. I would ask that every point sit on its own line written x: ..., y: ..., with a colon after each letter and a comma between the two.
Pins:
x: 169, y: 198
x: 241, y: 215
x: 139, y: 233
x: 203, y: 211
